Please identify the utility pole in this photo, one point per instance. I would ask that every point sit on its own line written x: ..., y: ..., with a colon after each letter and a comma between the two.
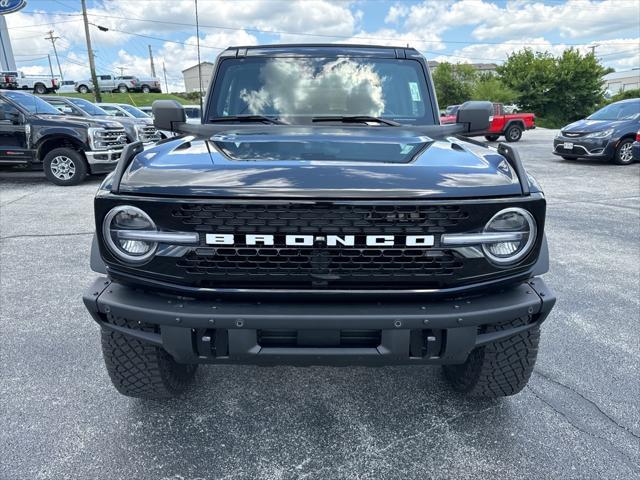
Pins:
x: 153, y: 67
x: 55, y: 51
x: 92, y: 64
x: 593, y: 48
x: 122, y: 69
x: 50, y: 66
x: 166, y: 85
x: 199, y: 63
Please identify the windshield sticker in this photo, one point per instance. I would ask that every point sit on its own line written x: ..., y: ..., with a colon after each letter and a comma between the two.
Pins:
x: 415, y: 91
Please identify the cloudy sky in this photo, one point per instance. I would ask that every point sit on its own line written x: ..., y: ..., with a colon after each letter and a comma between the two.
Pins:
x: 458, y: 31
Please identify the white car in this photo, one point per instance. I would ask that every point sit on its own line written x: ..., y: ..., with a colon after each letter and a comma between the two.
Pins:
x: 67, y: 86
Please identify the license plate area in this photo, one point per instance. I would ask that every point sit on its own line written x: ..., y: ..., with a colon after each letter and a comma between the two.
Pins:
x: 568, y: 145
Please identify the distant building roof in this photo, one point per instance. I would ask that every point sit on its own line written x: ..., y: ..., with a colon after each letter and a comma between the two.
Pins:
x: 196, y: 66
x: 635, y: 72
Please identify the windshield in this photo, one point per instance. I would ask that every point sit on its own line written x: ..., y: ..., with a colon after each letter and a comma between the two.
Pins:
x: 32, y: 103
x: 618, y: 111
x: 297, y: 89
x: 452, y: 109
x: 88, y: 107
x: 136, y: 112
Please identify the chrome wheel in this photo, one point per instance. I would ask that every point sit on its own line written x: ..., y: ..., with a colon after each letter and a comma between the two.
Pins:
x: 63, y: 167
x: 626, y: 155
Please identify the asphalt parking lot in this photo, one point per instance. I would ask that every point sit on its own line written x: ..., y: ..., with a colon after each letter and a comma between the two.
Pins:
x: 60, y: 418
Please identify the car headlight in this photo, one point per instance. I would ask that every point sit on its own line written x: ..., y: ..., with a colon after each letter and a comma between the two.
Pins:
x: 123, y: 231
x: 601, y: 134
x: 515, y: 221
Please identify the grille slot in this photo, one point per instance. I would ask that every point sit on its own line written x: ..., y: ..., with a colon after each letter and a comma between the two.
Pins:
x: 113, y: 138
x: 149, y: 133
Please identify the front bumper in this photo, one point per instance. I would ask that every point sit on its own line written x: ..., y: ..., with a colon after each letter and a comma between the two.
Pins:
x: 103, y: 161
x: 325, y: 332
x: 583, y: 147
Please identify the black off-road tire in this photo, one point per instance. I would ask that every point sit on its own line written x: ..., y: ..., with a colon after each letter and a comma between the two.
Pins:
x: 146, y: 89
x: 498, y: 369
x: 492, y: 138
x: 513, y: 133
x: 624, y: 155
x: 76, y: 159
x: 123, y: 89
x: 39, y: 89
x: 140, y: 369
x: 83, y: 89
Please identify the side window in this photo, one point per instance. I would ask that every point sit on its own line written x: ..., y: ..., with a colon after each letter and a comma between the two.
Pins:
x: 9, y: 115
x: 105, y: 77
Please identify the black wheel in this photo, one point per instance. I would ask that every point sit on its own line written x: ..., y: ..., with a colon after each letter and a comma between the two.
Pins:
x: 140, y: 369
x: 513, y: 133
x: 40, y: 89
x: 492, y: 138
x: 624, y: 152
x: 500, y: 368
x: 146, y: 89
x: 83, y: 89
x: 65, y: 166
x: 123, y: 88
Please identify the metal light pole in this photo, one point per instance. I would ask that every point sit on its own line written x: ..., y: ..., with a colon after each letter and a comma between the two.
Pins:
x: 92, y: 64
x: 199, y: 64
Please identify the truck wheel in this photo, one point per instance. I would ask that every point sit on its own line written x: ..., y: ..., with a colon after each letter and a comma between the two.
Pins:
x: 624, y: 152
x: 83, y: 89
x: 513, y: 133
x: 40, y: 89
x: 492, y: 138
x: 146, y: 89
x: 64, y: 166
x: 123, y: 88
x: 500, y: 368
x: 140, y: 369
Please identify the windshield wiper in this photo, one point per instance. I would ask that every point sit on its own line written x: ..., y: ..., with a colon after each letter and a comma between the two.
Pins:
x: 246, y: 118
x: 355, y: 119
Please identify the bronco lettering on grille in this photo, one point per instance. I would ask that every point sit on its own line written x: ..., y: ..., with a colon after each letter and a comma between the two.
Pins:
x: 311, y: 240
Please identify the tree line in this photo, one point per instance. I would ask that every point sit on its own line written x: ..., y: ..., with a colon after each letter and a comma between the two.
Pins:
x: 558, y: 89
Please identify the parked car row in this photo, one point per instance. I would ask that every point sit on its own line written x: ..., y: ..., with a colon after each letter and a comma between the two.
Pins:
x: 122, y: 84
x: 68, y: 137
x: 611, y: 133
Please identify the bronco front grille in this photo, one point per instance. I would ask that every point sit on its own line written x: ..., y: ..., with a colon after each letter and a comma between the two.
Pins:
x: 347, y: 219
x: 357, y: 266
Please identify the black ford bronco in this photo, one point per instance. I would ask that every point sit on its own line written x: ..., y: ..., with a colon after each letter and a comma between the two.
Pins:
x: 320, y: 215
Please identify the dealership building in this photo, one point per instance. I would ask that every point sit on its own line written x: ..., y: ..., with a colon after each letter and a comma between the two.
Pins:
x: 190, y: 76
x: 617, y: 82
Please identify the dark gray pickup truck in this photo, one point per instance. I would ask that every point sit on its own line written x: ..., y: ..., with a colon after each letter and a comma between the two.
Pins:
x: 320, y: 215
x: 68, y: 148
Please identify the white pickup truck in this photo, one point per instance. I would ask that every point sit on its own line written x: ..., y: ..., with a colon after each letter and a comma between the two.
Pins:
x: 39, y: 84
x: 109, y: 83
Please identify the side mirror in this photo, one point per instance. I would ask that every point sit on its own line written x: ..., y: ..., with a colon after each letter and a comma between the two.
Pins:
x: 476, y: 115
x: 167, y: 113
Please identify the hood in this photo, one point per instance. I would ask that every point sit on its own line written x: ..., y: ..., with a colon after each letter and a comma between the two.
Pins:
x: 590, y: 126
x: 77, y: 121
x: 130, y: 121
x: 321, y: 163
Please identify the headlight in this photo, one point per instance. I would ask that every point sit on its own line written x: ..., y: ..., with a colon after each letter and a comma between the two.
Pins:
x: 122, y: 228
x: 602, y: 134
x: 510, y: 220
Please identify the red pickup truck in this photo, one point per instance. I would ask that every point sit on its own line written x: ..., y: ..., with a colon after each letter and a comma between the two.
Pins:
x: 510, y: 125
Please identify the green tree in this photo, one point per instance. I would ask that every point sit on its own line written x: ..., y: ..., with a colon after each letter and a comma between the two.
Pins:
x: 531, y: 76
x: 490, y: 87
x: 454, y: 83
x: 558, y: 89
